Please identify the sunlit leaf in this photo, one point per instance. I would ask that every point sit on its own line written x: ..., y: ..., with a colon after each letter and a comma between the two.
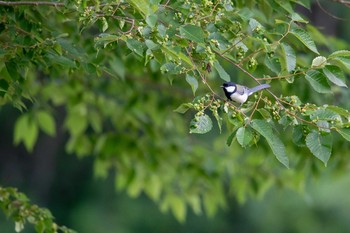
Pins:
x: 335, y: 75
x: 319, y: 62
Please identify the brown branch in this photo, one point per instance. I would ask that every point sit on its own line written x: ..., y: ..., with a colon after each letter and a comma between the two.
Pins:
x: 56, y: 4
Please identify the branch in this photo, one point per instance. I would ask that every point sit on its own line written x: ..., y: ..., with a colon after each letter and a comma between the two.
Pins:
x: 56, y: 4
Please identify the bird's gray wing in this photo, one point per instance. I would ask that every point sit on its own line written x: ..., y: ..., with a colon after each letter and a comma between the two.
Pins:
x: 241, y: 89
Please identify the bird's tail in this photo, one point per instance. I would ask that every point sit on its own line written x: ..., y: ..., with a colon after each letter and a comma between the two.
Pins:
x: 258, y: 88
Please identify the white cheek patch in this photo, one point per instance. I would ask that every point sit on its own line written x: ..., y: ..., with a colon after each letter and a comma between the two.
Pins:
x: 231, y: 89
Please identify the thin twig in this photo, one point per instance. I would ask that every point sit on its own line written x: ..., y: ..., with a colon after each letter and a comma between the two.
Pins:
x: 56, y: 4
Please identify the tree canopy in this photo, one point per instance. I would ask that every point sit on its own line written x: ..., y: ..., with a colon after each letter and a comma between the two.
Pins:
x: 136, y: 85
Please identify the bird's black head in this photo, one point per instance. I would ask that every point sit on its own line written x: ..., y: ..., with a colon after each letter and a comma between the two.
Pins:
x: 229, y: 88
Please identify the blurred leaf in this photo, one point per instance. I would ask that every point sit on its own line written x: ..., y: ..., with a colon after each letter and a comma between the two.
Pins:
x: 318, y: 81
x: 304, y: 38
x: 222, y: 73
x: 201, y: 124
x: 151, y: 20
x: 135, y: 46
x: 193, y: 83
x: 345, y: 132
x: 265, y: 130
x: 340, y: 53
x: 193, y: 33
x: 183, y: 108
x: 320, y: 145
x: 335, y: 75
x: 46, y: 122
x: 26, y: 130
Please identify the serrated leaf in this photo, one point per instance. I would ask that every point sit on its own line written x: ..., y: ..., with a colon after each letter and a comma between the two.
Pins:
x: 304, y: 38
x: 319, y: 62
x: 318, y: 81
x: 289, y: 61
x: 193, y: 83
x: 297, y: 18
x: 183, y: 108
x: 277, y: 146
x: 193, y: 33
x: 244, y: 136
x: 342, y: 62
x: 340, y: 53
x: 345, y: 133
x: 320, y: 145
x: 201, y: 124
x: 222, y: 73
x: 335, y: 75
x: 46, y: 122
x: 298, y: 135
x: 135, y: 46
x: 104, y: 24
x: 325, y: 114
x: 339, y: 110
x: 151, y: 20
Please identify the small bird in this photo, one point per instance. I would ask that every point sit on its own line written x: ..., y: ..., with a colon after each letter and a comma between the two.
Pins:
x: 240, y: 93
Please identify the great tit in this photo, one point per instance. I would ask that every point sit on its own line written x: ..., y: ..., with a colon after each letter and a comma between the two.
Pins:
x: 240, y: 93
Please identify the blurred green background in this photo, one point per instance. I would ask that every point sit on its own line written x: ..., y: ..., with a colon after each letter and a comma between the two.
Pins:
x: 65, y: 184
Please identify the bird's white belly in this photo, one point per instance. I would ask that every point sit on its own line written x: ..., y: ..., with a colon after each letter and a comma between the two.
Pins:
x: 239, y: 98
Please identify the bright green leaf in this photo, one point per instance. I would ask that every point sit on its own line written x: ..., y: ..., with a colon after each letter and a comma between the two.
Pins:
x: 46, y: 122
x: 318, y: 81
x: 193, y: 83
x: 335, y: 75
x: 320, y: 145
x: 193, y: 33
x: 222, y: 73
x: 265, y: 130
x: 304, y: 38
x: 342, y: 62
x: 201, y: 124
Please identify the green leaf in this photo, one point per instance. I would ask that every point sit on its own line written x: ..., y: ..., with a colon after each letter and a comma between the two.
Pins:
x: 335, y: 75
x: 304, y: 38
x: 46, y: 122
x: 345, y: 132
x: 340, y: 53
x: 183, y: 108
x: 76, y: 123
x: 135, y: 46
x: 193, y: 33
x: 26, y: 130
x: 244, y: 136
x: 289, y: 61
x: 319, y: 62
x: 151, y: 45
x: 193, y: 83
x: 178, y: 207
x: 277, y: 146
x: 318, y: 81
x: 143, y: 6
x: 342, y: 62
x: 222, y: 73
x: 298, y: 135
x: 320, y: 145
x: 151, y: 20
x: 201, y: 124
